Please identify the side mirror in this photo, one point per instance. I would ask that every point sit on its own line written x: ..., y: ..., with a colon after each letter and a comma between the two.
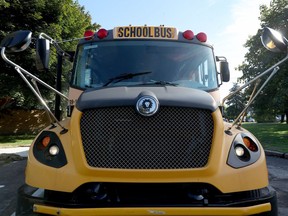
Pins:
x: 17, y: 41
x: 42, y: 54
x: 224, y: 70
x: 273, y: 40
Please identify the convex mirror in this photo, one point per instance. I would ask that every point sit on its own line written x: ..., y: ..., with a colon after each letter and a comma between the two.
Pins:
x: 273, y: 40
x: 17, y: 41
x: 224, y: 68
x: 42, y: 54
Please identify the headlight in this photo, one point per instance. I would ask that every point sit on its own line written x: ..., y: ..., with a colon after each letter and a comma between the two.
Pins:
x: 239, y: 150
x: 48, y: 150
x: 244, y: 151
x: 54, y: 150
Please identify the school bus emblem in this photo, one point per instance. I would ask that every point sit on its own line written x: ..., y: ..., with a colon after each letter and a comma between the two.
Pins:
x: 147, y: 105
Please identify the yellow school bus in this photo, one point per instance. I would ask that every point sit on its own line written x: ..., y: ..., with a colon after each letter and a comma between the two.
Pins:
x: 144, y: 134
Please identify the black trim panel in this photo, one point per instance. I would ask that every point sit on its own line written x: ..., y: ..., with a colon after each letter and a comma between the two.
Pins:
x: 128, y: 96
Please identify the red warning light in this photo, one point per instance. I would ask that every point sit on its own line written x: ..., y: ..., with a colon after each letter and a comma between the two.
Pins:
x: 202, y: 37
x: 188, y: 34
x: 102, y: 33
x: 88, y: 34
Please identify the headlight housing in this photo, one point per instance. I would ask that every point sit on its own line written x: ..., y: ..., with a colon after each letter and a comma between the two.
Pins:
x: 48, y: 150
x: 244, y: 151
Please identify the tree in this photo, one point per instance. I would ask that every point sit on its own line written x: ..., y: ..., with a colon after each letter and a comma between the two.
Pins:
x: 273, y: 99
x: 3, y: 3
x: 235, y: 104
x: 63, y: 19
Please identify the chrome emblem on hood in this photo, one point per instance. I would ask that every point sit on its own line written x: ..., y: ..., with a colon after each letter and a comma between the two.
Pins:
x: 147, y: 105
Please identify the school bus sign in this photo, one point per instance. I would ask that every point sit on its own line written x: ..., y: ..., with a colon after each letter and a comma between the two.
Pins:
x: 152, y: 32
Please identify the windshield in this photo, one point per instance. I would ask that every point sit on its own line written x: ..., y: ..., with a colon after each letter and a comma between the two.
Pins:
x: 141, y: 62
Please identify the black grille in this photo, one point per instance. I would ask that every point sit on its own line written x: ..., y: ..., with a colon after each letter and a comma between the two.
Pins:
x: 174, y: 138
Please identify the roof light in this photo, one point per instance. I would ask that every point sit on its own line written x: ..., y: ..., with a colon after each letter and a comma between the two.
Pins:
x: 102, y: 33
x: 188, y: 34
x: 202, y: 37
x: 88, y: 34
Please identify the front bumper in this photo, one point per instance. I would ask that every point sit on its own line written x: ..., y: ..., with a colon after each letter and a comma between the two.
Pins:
x: 32, y: 203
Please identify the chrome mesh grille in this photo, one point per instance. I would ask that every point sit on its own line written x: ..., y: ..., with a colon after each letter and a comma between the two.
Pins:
x: 174, y: 138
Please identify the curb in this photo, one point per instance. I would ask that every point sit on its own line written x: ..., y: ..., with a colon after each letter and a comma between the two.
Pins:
x: 9, y: 157
x: 276, y: 154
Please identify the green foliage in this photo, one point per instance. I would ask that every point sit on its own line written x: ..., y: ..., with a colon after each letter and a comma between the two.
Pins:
x: 235, y: 104
x: 264, y: 117
x: 272, y: 136
x: 274, y: 97
x: 15, y: 140
x: 3, y: 3
x: 63, y: 19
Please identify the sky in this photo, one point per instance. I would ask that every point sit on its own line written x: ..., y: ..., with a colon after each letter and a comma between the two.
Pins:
x: 228, y: 24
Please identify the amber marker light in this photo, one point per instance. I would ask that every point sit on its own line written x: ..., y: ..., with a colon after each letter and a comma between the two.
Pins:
x: 45, y: 141
x: 250, y: 144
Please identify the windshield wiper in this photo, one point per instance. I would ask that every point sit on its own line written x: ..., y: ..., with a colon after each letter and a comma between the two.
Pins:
x: 160, y: 82
x: 125, y: 77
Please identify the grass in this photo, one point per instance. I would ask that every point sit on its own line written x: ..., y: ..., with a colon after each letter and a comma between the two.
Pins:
x: 7, y: 141
x: 272, y: 136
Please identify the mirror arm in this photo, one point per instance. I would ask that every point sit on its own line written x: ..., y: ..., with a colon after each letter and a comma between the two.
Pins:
x: 250, y: 100
x: 39, y: 93
x: 253, y: 98
x: 55, y: 43
x: 39, y: 98
x: 22, y: 73
x: 255, y: 79
x: 286, y: 41
x: 220, y: 82
x: 31, y: 75
x: 221, y: 58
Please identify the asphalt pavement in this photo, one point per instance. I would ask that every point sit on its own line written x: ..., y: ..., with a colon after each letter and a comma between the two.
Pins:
x: 11, y: 178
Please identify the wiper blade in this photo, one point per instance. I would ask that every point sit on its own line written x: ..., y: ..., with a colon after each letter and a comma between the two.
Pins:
x: 160, y: 82
x: 125, y: 77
